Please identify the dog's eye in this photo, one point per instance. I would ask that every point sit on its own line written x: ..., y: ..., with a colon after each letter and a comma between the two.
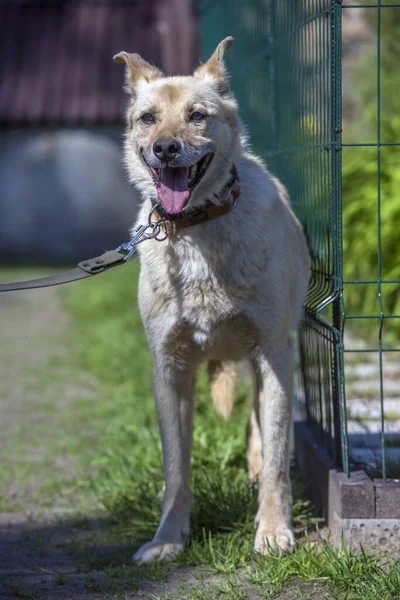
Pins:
x: 197, y: 116
x: 147, y: 118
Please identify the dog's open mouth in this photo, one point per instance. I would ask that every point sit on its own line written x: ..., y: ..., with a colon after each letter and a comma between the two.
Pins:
x: 175, y: 184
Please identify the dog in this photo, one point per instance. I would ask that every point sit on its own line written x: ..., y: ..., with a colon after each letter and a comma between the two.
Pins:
x: 230, y: 287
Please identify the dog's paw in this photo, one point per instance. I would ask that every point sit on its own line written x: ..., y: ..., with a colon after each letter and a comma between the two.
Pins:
x: 279, y: 538
x: 157, y: 551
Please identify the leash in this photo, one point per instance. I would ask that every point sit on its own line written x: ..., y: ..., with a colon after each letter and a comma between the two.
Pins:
x: 163, y: 227
x: 98, y: 264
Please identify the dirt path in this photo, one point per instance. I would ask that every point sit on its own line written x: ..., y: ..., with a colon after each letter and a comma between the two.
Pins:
x: 37, y: 384
x: 43, y: 528
x: 40, y: 522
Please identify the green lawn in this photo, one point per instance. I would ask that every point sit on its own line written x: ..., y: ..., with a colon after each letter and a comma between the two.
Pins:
x: 85, y: 438
x: 128, y: 467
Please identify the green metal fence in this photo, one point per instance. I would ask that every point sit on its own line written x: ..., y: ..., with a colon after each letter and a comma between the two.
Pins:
x: 286, y: 69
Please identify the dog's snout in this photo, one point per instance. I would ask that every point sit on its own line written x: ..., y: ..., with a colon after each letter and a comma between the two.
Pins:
x: 166, y: 149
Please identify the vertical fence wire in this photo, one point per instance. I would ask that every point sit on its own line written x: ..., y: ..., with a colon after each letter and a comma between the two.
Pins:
x: 378, y: 162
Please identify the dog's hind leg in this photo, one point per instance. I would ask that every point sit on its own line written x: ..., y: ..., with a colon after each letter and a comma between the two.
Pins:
x: 274, y: 380
x: 253, y: 436
x: 222, y: 376
x: 174, y: 389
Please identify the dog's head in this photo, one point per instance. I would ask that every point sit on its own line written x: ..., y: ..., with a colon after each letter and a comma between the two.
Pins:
x: 184, y: 133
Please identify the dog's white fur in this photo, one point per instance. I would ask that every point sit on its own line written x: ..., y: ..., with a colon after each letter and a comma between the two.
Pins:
x: 225, y: 290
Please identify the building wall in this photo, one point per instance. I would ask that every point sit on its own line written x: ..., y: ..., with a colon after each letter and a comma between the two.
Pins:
x: 63, y: 194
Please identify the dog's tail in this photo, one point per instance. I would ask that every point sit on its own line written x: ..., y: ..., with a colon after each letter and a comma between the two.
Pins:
x: 222, y: 376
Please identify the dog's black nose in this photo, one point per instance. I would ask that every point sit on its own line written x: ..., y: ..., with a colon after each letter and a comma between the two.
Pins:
x: 166, y: 149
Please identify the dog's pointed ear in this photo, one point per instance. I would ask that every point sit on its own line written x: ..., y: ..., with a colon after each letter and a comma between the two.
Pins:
x: 136, y: 69
x: 214, y: 69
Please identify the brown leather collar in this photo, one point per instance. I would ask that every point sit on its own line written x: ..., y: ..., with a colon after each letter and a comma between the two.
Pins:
x: 209, y: 210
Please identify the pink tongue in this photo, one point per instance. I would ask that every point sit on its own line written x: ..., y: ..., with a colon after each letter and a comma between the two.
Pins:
x: 173, y: 190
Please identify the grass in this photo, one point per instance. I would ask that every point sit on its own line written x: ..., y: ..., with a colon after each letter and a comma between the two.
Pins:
x: 59, y: 579
x: 42, y: 395
x: 129, y: 469
x: 21, y: 591
x: 113, y: 442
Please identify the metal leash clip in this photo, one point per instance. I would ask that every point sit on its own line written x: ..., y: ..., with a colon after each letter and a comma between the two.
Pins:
x: 160, y: 223
x: 165, y: 223
x: 151, y: 230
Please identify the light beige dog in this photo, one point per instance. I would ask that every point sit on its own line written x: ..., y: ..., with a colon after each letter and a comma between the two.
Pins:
x: 227, y: 289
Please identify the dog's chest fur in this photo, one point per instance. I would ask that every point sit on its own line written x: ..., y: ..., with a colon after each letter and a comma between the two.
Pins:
x: 199, y: 285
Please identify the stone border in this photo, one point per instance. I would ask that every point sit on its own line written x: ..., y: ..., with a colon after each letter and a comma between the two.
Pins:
x: 363, y: 510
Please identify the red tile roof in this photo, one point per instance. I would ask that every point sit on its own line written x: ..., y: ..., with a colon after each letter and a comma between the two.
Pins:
x: 56, y: 55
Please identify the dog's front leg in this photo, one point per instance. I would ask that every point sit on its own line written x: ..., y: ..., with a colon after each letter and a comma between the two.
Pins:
x: 274, y: 381
x: 173, y: 390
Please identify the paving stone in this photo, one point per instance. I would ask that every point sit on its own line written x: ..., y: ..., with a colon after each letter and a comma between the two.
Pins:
x: 391, y: 387
x: 354, y: 343
x: 373, y: 440
x: 364, y: 370
x: 371, y: 409
x: 371, y: 387
x: 370, y: 370
x: 391, y: 368
x: 357, y: 427
x: 372, y: 456
x: 391, y: 427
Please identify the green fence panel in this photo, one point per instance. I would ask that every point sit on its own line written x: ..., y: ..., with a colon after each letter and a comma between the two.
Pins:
x: 286, y: 73
x: 285, y: 68
x: 380, y: 213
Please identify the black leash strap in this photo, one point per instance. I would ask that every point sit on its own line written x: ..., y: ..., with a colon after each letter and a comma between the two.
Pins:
x: 86, y: 268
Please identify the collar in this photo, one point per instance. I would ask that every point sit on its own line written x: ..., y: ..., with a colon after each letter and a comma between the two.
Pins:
x: 227, y: 199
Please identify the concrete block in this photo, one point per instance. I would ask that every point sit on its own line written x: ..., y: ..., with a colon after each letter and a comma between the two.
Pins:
x: 358, y: 509
x: 354, y: 496
x: 387, y: 499
x: 374, y: 534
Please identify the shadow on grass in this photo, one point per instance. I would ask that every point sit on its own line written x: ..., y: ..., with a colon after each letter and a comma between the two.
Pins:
x: 72, y: 558
x: 90, y: 556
